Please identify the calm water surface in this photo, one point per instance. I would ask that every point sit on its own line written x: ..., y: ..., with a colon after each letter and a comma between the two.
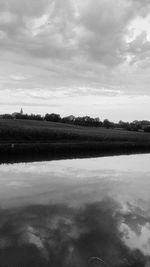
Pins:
x: 76, y: 213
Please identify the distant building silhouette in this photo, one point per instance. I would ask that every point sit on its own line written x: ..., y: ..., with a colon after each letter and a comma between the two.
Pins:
x: 70, y: 118
x: 17, y: 113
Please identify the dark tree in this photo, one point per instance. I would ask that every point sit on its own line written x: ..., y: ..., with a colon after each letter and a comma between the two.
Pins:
x: 52, y: 117
x: 108, y: 124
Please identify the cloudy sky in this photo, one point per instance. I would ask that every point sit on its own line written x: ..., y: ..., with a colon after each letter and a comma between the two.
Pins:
x: 77, y: 57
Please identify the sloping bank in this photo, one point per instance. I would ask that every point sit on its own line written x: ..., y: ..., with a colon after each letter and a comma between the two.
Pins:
x: 41, y: 151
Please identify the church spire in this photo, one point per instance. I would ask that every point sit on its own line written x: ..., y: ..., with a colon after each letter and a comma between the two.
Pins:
x: 21, y: 111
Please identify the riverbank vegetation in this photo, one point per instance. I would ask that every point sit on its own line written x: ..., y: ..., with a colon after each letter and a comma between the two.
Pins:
x: 35, y: 140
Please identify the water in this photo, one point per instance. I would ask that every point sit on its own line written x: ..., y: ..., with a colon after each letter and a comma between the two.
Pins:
x: 76, y: 213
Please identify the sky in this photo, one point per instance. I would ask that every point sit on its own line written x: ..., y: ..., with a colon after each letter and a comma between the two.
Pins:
x: 76, y: 57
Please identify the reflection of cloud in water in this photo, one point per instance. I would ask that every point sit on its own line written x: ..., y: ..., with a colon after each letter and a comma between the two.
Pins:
x: 80, y: 209
x: 59, y: 235
x: 137, y: 241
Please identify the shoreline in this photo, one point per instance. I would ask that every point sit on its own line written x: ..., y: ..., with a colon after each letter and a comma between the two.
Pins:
x: 31, y: 152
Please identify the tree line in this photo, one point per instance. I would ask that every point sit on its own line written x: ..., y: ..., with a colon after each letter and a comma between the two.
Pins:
x: 88, y: 121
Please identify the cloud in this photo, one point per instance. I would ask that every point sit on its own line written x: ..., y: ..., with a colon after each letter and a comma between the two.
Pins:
x: 76, y: 44
x: 18, y: 77
x: 63, y: 30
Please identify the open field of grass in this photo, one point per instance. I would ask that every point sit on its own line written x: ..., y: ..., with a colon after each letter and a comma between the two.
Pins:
x: 20, y: 137
x: 43, y: 131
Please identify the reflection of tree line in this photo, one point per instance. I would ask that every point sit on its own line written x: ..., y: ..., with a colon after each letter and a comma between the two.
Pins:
x: 83, y: 121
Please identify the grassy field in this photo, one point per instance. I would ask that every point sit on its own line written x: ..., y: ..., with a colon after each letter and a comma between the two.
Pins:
x: 34, y: 137
x: 43, y: 131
